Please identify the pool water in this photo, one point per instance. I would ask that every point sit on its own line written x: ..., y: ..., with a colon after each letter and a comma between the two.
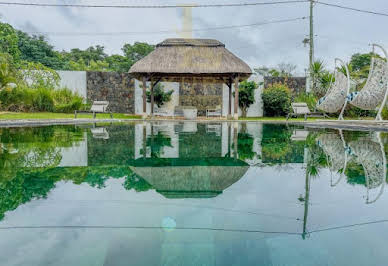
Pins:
x: 191, y: 193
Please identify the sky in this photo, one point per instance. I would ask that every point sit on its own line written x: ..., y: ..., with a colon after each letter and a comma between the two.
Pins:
x: 338, y: 33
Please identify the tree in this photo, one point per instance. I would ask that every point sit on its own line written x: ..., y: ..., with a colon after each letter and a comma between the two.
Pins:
x: 137, y: 51
x: 246, y: 95
x: 37, y: 49
x: 9, y: 41
x: 318, y: 71
x: 286, y: 69
x: 118, y: 63
x: 160, y: 97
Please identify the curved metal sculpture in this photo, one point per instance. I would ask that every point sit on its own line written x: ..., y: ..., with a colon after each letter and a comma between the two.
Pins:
x: 335, y: 97
x: 375, y: 91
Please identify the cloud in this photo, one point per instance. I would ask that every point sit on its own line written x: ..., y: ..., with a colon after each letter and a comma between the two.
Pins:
x: 339, y: 33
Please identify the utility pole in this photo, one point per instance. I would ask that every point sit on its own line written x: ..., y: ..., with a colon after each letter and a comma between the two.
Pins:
x: 311, y: 42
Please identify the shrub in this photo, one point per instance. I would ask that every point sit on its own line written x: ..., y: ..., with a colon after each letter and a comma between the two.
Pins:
x: 277, y: 100
x: 43, y: 100
x: 66, y: 101
x: 308, y: 98
x: 353, y: 111
x: 24, y: 99
x: 246, y: 96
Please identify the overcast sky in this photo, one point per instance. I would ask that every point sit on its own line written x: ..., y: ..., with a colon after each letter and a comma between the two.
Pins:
x: 339, y: 33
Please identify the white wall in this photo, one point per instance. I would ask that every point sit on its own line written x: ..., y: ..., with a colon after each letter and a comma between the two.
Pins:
x: 255, y: 110
x: 167, y: 86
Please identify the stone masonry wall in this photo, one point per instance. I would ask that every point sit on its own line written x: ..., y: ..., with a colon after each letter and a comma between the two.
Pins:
x: 117, y: 88
x: 202, y: 93
x: 297, y: 85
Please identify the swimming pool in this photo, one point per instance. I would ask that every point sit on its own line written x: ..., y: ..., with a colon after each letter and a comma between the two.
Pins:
x: 187, y: 193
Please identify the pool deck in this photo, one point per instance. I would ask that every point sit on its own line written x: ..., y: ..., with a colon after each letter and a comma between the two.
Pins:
x: 365, y: 125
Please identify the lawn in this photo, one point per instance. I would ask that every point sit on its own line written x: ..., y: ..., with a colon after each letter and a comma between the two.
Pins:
x: 46, y: 115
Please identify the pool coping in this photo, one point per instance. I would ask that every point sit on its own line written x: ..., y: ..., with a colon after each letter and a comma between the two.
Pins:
x: 365, y: 125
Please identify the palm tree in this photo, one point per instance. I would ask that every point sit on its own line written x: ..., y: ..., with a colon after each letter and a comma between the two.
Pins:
x: 317, y: 68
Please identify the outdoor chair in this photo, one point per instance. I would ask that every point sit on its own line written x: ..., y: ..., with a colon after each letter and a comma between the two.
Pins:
x: 335, y: 97
x: 97, y: 107
x: 216, y: 112
x: 375, y: 91
x: 301, y: 109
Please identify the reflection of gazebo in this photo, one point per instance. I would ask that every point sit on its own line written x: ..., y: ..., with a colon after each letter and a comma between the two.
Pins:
x: 197, y: 180
x: 191, y: 58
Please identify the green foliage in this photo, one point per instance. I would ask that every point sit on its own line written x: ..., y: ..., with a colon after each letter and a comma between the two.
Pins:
x: 245, y: 146
x: 246, y: 95
x: 277, y: 100
x: 321, y: 78
x: 23, y: 98
x: 36, y: 49
x: 308, y: 98
x: 42, y: 100
x: 8, y: 72
x: 160, y: 97
x: 137, y: 51
x: 9, y: 41
x: 354, y: 111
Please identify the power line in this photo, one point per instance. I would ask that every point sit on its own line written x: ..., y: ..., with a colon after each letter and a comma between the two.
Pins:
x: 352, y: 9
x: 164, y: 31
x: 153, y: 6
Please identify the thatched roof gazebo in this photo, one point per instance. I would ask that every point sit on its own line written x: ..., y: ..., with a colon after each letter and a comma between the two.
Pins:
x: 191, y: 181
x: 179, y: 58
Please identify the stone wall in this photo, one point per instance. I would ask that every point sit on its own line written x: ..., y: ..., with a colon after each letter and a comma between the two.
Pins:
x: 297, y: 85
x: 202, y: 93
x: 117, y: 88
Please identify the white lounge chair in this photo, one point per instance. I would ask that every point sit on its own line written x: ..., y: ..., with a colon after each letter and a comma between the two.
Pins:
x: 97, y: 107
x: 302, y: 109
x: 100, y: 133
x: 375, y: 91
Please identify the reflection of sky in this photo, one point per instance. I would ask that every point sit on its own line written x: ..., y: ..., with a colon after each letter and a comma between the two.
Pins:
x: 263, y: 199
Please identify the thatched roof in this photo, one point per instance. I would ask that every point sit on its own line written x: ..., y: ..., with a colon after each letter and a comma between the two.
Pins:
x: 191, y: 181
x: 191, y: 57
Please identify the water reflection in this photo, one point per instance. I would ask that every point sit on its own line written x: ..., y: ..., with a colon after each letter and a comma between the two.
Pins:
x: 227, y: 178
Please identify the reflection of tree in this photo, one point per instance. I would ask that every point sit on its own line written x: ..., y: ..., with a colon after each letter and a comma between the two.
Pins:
x: 137, y: 183
x: 34, y: 147
x: 21, y: 189
x: 277, y: 146
x: 157, y: 142
x: 245, y: 146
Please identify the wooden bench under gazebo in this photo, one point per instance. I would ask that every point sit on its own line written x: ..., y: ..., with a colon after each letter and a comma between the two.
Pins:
x: 175, y: 59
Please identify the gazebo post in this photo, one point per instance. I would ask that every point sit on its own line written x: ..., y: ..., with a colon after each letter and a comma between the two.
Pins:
x: 229, y: 83
x: 152, y: 98
x: 144, y: 97
x: 236, y: 98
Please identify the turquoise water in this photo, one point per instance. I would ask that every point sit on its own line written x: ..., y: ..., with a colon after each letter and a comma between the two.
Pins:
x: 192, y: 194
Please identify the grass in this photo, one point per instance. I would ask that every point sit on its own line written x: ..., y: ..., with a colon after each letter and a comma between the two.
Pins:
x: 277, y: 119
x: 47, y: 115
